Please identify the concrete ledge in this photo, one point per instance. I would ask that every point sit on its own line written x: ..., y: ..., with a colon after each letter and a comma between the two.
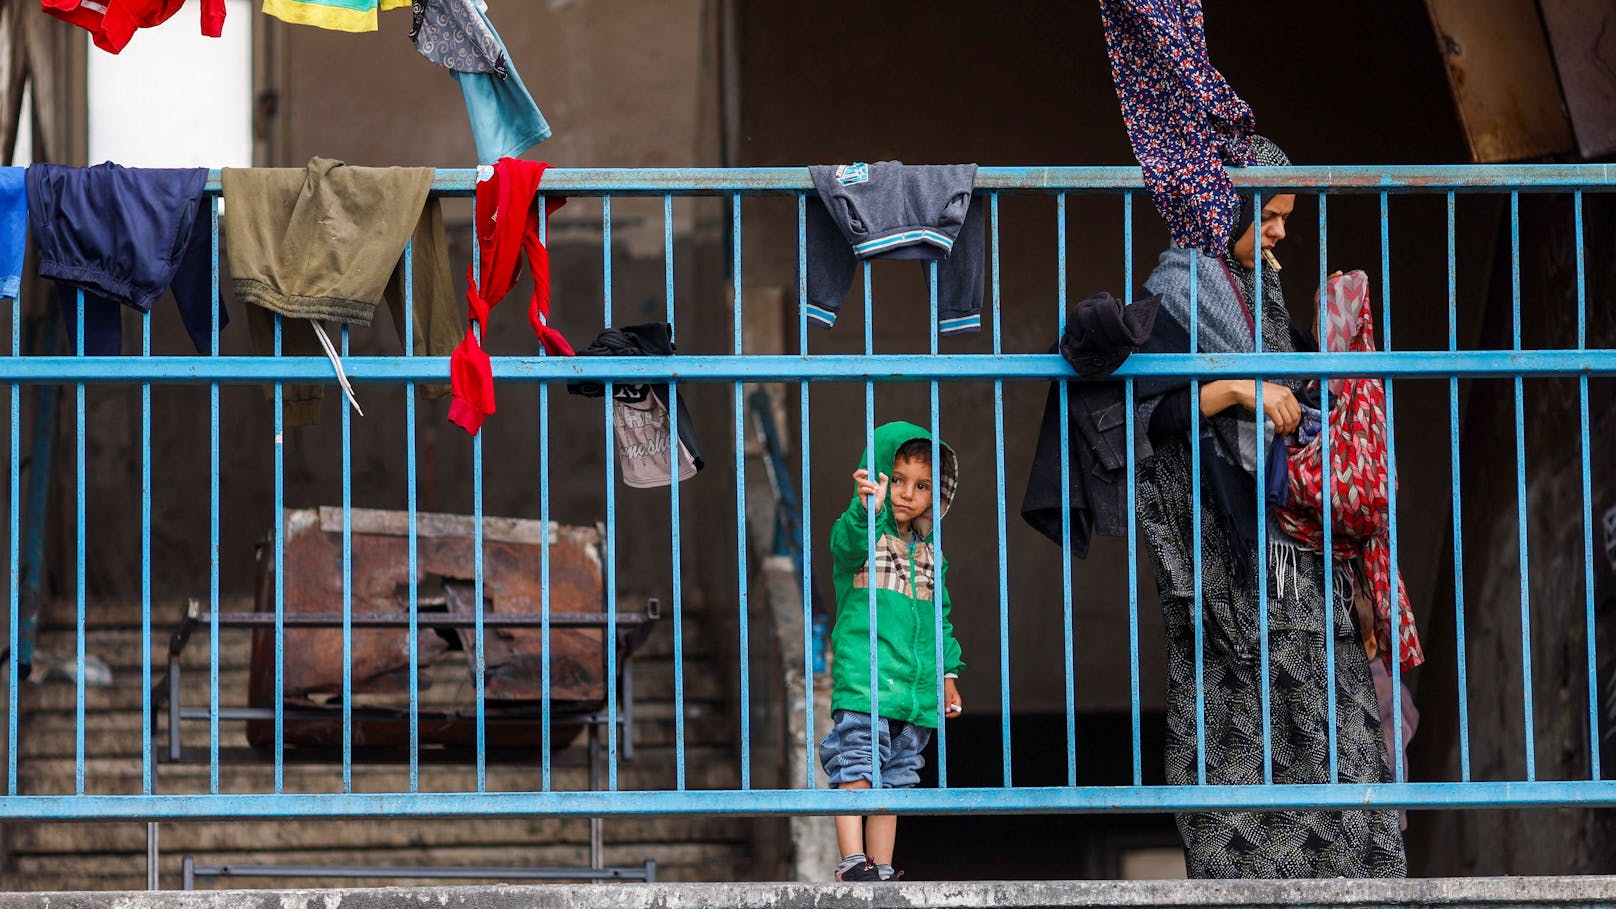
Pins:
x: 1492, y: 892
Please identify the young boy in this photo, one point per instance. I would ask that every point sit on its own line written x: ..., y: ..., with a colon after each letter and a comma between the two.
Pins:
x: 905, y: 648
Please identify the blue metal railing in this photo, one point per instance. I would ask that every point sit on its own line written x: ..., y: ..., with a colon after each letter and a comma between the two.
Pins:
x: 869, y: 368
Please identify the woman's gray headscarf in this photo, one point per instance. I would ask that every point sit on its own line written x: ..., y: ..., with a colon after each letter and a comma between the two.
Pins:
x: 1227, y: 319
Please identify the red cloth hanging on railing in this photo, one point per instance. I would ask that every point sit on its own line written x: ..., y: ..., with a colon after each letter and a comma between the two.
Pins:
x: 507, y: 226
x: 1359, y: 479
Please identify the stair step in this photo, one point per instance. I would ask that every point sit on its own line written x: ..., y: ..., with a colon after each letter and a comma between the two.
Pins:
x: 400, y: 833
x: 118, y: 734
x: 128, y: 872
x: 653, y: 679
x: 120, y: 621
x: 651, y: 769
x: 675, y: 862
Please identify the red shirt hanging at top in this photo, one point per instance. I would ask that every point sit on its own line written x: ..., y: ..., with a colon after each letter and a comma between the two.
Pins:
x: 507, y: 226
x: 111, y: 23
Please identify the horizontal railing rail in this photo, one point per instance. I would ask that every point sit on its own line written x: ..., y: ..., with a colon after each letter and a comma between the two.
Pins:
x: 1343, y: 179
x: 248, y: 370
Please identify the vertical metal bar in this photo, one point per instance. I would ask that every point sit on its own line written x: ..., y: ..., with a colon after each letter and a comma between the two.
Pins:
x: 675, y: 521
x: 1261, y: 460
x: 1134, y: 701
x: 15, y: 539
x: 743, y: 601
x: 1195, y: 521
x: 1520, y: 485
x: 1066, y: 499
x: 213, y: 504
x: 152, y: 852
x: 1587, y: 502
x: 147, y: 780
x: 998, y: 485
x: 611, y: 514
x: 872, y: 513
x: 937, y: 544
x: 280, y: 572
x: 597, y: 841
x: 80, y: 575
x: 805, y: 504
x: 1395, y: 635
x: 544, y: 553
x: 1395, y: 618
x: 347, y: 585
x: 1327, y: 556
x: 479, y: 662
x: 479, y: 637
x: 412, y: 541
x: 1458, y: 525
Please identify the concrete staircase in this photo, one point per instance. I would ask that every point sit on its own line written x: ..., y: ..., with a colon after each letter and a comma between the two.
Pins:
x: 58, y: 856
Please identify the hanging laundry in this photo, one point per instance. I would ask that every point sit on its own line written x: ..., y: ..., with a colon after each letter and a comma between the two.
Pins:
x: 640, y: 411
x: 1100, y: 335
x: 337, y: 15
x: 458, y: 35
x: 1183, y: 119
x: 507, y: 226
x: 454, y: 35
x: 13, y: 229
x: 326, y: 242
x: 111, y: 23
x: 1358, y: 478
x: 889, y: 210
x: 124, y: 236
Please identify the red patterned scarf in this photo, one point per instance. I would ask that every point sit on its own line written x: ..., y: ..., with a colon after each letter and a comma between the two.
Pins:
x: 1359, y: 479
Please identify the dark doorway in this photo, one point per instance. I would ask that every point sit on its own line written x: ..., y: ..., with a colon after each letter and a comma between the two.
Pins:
x: 1040, y: 847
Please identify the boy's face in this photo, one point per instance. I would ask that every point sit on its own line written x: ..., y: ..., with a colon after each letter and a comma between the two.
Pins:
x: 909, y: 491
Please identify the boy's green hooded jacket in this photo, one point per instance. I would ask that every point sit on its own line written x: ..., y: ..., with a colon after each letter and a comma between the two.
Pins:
x: 906, y: 626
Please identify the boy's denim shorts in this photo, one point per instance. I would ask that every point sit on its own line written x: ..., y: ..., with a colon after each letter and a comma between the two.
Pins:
x: 845, y: 752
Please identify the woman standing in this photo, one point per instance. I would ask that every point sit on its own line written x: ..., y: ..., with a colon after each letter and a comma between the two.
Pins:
x: 1250, y: 844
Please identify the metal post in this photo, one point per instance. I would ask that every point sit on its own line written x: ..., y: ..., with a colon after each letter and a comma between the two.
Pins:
x: 152, y: 848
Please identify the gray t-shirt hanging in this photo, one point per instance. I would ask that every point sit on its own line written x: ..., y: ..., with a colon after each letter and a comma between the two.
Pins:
x: 642, y: 444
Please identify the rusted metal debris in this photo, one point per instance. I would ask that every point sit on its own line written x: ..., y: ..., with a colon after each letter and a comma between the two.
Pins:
x: 313, y: 660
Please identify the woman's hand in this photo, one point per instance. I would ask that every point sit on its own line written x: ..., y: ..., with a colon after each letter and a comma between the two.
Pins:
x: 952, y: 705
x: 1279, y: 404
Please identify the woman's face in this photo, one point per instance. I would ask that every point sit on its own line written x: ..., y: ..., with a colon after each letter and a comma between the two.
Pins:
x: 1275, y: 212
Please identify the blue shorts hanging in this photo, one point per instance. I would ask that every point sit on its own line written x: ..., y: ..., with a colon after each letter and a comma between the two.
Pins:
x: 124, y: 236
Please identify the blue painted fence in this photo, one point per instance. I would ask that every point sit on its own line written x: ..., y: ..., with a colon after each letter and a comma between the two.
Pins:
x: 997, y: 368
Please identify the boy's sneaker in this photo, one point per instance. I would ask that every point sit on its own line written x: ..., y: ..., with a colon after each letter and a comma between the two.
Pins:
x: 863, y: 871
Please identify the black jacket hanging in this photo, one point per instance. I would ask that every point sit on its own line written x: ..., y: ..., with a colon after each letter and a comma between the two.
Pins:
x: 1100, y: 334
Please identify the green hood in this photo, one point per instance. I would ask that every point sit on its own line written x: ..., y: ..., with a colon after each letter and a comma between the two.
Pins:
x: 889, y: 437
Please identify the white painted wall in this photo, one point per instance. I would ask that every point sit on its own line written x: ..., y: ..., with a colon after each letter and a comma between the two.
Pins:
x: 174, y: 97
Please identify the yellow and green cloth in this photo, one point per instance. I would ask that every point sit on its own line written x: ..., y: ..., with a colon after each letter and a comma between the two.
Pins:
x: 338, y: 15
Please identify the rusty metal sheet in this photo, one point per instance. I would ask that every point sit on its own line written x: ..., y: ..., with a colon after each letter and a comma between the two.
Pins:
x: 512, y: 548
x: 1502, y: 78
x: 1583, y: 36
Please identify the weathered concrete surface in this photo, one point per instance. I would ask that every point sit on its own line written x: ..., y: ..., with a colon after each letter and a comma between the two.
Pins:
x: 1494, y: 892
